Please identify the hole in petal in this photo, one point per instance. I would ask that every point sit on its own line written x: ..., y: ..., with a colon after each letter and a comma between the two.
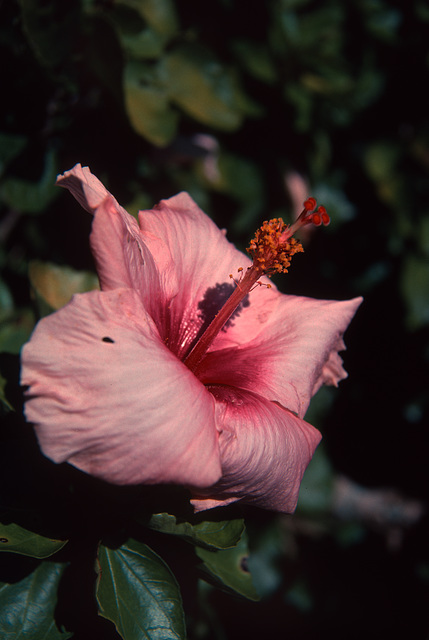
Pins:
x: 107, y: 339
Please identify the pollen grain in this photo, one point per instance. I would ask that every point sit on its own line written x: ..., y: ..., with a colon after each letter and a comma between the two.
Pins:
x: 273, y: 247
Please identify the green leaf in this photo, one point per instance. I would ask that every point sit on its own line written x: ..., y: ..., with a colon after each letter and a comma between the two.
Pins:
x: 27, y: 607
x: 16, y: 539
x: 383, y: 22
x: 228, y: 568
x: 11, y: 146
x: 159, y: 14
x: 316, y: 493
x: 415, y: 287
x: 50, y: 27
x: 204, y: 89
x: 138, y: 593
x: 3, y: 399
x: 103, y: 54
x: 256, y: 59
x: 139, y: 40
x: 145, y: 44
x: 192, y: 78
x: 210, y: 534
x: 32, y: 197
x: 423, y: 236
x: 148, y: 106
x: 380, y: 161
x: 268, y: 552
x: 6, y: 300
x: 335, y: 200
x: 53, y: 286
x: 149, y: 32
x: 240, y: 179
x: 15, y: 329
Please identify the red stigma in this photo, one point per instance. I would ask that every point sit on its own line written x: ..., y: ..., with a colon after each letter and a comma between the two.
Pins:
x: 324, y: 216
x: 310, y: 204
x: 316, y: 219
x: 271, y: 249
x: 311, y: 215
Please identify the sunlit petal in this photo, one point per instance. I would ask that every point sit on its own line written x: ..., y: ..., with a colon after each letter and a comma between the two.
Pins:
x: 107, y: 396
x: 295, y: 354
x: 196, y: 260
x: 176, y: 258
x: 265, y: 450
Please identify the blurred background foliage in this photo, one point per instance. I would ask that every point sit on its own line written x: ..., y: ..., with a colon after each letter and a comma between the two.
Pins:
x: 250, y: 107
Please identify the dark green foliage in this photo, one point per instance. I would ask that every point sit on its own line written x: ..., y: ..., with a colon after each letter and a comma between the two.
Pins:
x: 137, y: 591
x: 27, y: 606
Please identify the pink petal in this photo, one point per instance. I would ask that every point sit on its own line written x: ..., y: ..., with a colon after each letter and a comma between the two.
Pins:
x: 178, y: 260
x: 117, y: 245
x: 86, y: 188
x: 106, y: 395
x: 295, y: 354
x: 196, y: 261
x: 121, y: 257
x: 265, y: 450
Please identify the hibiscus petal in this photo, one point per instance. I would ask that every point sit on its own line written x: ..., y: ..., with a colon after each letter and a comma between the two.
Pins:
x: 115, y: 239
x: 196, y: 261
x: 106, y: 395
x: 296, y: 353
x: 86, y: 188
x: 265, y: 450
x: 121, y: 257
x: 178, y: 260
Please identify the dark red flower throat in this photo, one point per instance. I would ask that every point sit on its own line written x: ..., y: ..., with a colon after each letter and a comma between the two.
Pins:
x: 271, y: 249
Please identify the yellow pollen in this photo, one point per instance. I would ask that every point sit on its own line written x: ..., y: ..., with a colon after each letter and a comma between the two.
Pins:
x: 273, y: 247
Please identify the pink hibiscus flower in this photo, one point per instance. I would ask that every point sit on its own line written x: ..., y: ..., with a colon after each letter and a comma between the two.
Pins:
x: 174, y: 373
